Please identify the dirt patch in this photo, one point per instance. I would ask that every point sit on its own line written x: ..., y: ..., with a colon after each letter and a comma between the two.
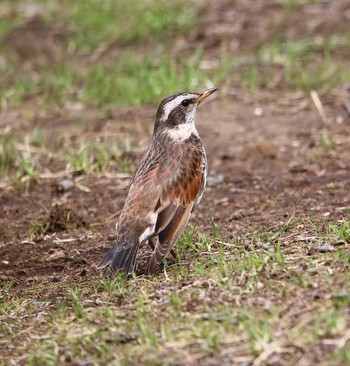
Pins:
x: 269, y: 166
x: 244, y: 27
x: 59, y: 219
x: 36, y: 42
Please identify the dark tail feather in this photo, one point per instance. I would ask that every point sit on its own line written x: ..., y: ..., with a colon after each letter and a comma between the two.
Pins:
x: 120, y: 258
x: 107, y: 259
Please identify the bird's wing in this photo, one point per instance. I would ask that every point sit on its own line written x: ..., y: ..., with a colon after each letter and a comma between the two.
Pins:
x: 175, y: 205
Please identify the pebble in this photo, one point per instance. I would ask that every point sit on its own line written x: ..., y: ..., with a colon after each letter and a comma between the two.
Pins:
x: 325, y: 248
x: 65, y: 185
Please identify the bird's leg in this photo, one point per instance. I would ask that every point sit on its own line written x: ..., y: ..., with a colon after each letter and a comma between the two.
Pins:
x: 172, y: 252
x: 152, y: 245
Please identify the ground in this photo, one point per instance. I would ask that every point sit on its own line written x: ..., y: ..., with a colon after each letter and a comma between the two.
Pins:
x: 262, y: 271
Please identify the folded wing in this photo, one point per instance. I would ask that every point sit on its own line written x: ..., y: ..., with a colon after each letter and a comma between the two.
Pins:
x: 176, y: 203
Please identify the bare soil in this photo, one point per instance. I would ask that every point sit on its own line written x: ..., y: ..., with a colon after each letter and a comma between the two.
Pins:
x: 262, y: 169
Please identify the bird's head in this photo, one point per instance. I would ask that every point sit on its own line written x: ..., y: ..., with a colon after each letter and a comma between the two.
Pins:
x: 176, y: 114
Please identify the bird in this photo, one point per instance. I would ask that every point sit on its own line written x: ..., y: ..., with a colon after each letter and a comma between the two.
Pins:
x: 165, y: 189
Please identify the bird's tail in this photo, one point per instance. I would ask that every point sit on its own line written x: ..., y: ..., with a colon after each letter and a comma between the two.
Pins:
x: 121, y: 257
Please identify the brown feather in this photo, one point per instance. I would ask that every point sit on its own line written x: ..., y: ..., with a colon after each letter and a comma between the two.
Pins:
x: 165, y: 216
x: 182, y: 193
x: 168, y: 237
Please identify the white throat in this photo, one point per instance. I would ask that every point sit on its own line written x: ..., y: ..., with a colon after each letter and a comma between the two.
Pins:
x: 182, y: 132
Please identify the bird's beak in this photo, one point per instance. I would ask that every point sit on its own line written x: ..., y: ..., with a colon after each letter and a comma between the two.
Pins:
x: 205, y: 95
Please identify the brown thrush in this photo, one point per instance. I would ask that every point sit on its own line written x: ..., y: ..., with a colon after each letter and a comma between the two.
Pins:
x: 167, y: 186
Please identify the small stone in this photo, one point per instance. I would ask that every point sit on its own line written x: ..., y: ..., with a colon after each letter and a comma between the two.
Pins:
x: 237, y: 190
x: 65, y: 185
x: 339, y: 119
x: 325, y: 248
x: 55, y: 278
x: 258, y: 111
x: 265, y: 246
x: 310, y: 239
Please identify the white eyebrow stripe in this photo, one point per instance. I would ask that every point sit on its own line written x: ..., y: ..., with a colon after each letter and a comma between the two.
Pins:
x: 168, y: 107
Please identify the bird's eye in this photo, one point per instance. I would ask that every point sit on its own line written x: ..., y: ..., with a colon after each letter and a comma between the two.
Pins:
x: 185, y: 103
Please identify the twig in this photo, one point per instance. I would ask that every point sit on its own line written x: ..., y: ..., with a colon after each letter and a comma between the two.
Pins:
x: 49, y: 175
x: 225, y: 243
x: 317, y: 101
x: 271, y: 348
x: 268, y: 351
x: 68, y: 240
x: 82, y: 188
x: 339, y: 342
